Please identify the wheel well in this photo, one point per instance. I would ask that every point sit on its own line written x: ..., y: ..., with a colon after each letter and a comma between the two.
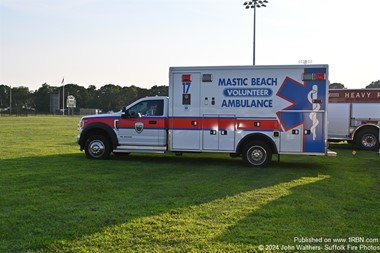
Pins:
x: 257, y: 137
x: 104, y: 130
x: 363, y: 129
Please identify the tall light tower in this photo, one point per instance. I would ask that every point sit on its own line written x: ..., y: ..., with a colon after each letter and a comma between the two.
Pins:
x: 255, y: 4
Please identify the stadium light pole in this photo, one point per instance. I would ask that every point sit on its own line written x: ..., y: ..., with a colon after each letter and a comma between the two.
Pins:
x: 254, y: 4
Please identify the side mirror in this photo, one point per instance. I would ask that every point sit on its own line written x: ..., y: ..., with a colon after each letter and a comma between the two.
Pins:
x: 124, y: 113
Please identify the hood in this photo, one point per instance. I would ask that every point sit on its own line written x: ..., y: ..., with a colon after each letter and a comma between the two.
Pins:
x: 105, y: 115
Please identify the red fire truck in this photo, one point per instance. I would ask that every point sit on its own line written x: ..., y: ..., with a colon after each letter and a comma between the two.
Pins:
x: 354, y: 116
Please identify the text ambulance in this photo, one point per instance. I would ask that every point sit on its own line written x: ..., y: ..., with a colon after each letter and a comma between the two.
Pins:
x: 248, y: 111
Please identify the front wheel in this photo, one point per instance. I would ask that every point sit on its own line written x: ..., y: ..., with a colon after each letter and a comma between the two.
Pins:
x: 257, y: 154
x: 97, y: 147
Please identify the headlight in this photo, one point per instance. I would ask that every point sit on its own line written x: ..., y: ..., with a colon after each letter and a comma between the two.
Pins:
x: 80, y: 124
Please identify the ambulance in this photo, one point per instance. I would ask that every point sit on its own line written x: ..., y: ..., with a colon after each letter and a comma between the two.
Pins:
x: 251, y: 112
x: 354, y: 116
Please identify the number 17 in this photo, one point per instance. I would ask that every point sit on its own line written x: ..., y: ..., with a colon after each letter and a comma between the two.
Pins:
x: 186, y: 88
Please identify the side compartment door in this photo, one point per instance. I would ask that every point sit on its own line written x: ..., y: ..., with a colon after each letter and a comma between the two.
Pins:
x: 219, y: 132
x: 314, y: 135
x: 291, y: 139
x: 227, y: 127
x: 210, y: 131
x: 185, y: 121
x: 307, y: 137
x: 339, y: 120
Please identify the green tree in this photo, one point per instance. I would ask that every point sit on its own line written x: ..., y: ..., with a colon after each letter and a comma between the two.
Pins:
x: 159, y: 91
x: 21, y: 98
x: 42, y: 98
x: 336, y: 86
x: 4, y: 96
x: 92, y: 98
x: 110, y: 98
x: 373, y: 85
x: 130, y: 94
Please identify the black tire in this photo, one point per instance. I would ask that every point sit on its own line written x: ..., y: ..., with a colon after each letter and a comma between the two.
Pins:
x: 367, y: 139
x: 257, y: 154
x: 97, y: 147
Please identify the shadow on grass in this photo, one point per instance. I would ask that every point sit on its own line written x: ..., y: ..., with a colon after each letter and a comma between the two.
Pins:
x: 309, y: 212
x: 344, y: 204
x: 306, y: 212
x: 64, y: 197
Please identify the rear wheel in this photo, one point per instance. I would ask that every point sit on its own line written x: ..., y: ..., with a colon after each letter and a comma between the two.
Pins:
x: 367, y: 139
x: 97, y: 147
x: 257, y: 154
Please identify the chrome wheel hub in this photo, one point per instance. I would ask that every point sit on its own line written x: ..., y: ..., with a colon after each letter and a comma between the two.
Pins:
x: 96, y: 148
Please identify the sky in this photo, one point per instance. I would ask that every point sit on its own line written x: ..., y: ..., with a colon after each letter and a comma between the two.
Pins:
x: 134, y: 42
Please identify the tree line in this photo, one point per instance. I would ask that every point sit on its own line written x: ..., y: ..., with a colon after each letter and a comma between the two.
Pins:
x: 372, y: 85
x: 48, y: 99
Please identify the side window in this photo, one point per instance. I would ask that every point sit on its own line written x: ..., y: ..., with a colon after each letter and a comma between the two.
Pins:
x: 136, y: 110
x: 147, y: 109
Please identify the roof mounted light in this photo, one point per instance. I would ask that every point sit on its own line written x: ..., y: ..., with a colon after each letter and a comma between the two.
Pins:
x: 186, y: 78
x: 313, y: 77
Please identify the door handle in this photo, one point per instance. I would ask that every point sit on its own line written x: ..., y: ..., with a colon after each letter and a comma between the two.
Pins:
x: 152, y: 122
x: 116, y: 124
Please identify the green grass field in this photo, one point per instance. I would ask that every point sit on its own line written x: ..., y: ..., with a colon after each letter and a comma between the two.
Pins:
x: 53, y: 199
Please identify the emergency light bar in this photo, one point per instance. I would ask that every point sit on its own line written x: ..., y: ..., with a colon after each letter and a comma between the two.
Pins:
x: 313, y: 77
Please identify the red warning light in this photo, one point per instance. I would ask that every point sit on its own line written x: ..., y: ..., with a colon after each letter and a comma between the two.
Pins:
x: 314, y: 77
x: 186, y: 78
x: 320, y: 76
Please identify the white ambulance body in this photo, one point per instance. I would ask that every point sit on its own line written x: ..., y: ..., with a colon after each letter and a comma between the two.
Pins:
x: 248, y: 111
x: 354, y: 115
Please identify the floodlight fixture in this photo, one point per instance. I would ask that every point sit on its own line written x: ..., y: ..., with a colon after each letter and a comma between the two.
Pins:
x: 254, y: 4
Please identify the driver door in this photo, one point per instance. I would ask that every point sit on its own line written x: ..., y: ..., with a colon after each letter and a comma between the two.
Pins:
x: 140, y: 126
